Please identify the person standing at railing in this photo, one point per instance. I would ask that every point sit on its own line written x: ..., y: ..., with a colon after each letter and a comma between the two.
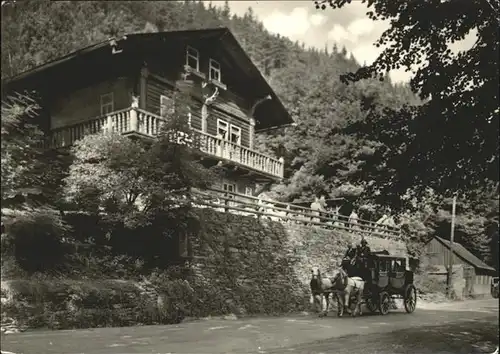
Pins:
x: 316, y: 208
x: 380, y: 224
x: 335, y: 216
x: 389, y: 223
x: 289, y: 214
x: 353, y: 220
x: 323, y: 205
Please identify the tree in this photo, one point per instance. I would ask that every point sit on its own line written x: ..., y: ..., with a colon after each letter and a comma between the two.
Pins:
x: 29, y: 188
x: 450, y: 142
x: 133, y: 181
x: 26, y: 178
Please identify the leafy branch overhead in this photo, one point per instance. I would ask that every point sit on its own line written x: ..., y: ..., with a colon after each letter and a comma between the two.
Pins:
x: 450, y: 142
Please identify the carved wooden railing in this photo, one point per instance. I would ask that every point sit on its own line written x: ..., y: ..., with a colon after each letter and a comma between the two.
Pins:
x: 134, y: 120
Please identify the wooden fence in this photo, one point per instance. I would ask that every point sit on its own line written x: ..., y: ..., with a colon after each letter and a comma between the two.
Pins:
x: 241, y: 204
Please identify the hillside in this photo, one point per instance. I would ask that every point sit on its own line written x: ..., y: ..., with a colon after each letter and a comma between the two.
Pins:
x: 322, y: 154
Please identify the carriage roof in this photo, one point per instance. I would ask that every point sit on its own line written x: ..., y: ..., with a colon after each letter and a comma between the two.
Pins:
x: 389, y: 257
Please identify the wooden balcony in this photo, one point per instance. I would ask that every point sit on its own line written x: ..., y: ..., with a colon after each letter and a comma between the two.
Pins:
x: 137, y: 121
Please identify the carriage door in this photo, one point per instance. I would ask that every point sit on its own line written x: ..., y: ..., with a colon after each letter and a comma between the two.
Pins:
x: 383, y: 278
x: 397, y: 274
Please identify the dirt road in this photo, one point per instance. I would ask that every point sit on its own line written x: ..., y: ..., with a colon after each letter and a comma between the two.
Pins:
x: 467, y: 327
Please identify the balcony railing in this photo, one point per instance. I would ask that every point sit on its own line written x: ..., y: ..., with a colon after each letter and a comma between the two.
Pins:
x: 134, y: 120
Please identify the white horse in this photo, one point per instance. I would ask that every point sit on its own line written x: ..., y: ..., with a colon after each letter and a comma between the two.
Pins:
x: 321, y: 289
x: 349, y: 287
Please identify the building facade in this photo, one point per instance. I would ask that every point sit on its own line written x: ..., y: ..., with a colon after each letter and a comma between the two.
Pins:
x: 126, y: 85
x: 474, y: 275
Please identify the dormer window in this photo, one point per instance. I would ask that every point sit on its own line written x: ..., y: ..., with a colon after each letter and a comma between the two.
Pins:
x: 192, y: 58
x: 214, y: 72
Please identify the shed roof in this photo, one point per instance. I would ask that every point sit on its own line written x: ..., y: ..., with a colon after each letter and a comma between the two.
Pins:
x: 463, y: 253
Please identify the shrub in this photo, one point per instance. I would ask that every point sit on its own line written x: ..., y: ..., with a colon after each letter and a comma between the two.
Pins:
x: 35, y: 239
x: 65, y: 304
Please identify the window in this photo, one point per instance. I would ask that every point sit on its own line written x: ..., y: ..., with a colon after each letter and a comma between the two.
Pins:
x: 398, y: 265
x: 231, y: 188
x: 192, y: 58
x: 107, y: 103
x: 235, y: 135
x: 166, y: 106
x: 214, y: 72
x: 222, y: 129
x: 383, y: 266
x: 248, y: 191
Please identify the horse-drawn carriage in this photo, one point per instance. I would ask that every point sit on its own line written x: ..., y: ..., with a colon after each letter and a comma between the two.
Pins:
x: 381, y: 279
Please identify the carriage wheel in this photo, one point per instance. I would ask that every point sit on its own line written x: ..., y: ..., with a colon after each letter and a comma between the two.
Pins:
x: 371, y: 304
x: 410, y: 298
x: 385, y: 303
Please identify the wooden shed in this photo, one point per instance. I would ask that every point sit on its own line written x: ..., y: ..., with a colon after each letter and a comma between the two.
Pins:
x: 476, y: 274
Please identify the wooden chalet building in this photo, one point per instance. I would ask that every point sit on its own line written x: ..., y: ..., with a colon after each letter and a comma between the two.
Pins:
x: 125, y: 84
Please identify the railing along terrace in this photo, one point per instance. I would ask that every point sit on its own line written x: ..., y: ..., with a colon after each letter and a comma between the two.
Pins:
x: 139, y: 121
x: 240, y: 204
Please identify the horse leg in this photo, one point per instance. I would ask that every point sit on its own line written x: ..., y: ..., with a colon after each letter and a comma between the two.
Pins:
x: 347, y: 296
x: 327, y: 300
x: 340, y: 304
x: 359, y: 299
x: 319, y: 303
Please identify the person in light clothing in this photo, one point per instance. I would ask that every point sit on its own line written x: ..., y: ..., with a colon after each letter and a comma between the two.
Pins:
x: 316, y: 208
x: 353, y: 220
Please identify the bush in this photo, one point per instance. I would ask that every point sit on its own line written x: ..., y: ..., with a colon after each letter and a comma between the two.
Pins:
x: 35, y: 239
x: 66, y: 304
x: 431, y: 284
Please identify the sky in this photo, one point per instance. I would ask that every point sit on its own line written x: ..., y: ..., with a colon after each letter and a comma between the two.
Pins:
x: 349, y: 27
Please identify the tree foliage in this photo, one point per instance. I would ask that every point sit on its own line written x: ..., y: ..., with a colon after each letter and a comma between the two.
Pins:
x: 134, y: 180
x: 27, y: 179
x: 449, y: 143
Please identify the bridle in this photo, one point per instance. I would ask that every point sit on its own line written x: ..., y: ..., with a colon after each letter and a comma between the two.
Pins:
x: 316, y: 275
x: 342, y: 276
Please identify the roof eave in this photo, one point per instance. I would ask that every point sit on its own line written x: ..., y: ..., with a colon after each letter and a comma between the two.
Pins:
x: 41, y: 68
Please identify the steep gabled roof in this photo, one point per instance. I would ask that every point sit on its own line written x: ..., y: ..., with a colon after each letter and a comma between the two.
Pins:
x: 461, y: 252
x: 219, y: 36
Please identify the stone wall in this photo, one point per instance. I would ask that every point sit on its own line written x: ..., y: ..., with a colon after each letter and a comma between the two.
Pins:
x: 241, y: 265
x: 261, y: 266
x: 313, y: 246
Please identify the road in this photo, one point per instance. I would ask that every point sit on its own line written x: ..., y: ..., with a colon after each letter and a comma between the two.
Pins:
x: 466, y: 327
